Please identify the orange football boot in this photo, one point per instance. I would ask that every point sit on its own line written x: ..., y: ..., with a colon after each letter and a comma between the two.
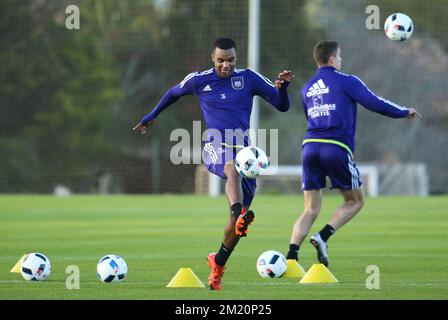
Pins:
x: 243, y: 222
x: 216, y: 272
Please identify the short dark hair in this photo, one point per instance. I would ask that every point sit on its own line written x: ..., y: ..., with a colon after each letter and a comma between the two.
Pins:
x: 224, y: 44
x: 324, y: 50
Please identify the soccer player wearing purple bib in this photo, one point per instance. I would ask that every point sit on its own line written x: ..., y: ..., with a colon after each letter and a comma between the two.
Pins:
x: 329, y: 101
x: 225, y: 95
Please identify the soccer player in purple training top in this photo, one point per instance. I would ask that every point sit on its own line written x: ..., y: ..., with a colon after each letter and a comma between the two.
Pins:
x: 225, y: 94
x: 329, y: 101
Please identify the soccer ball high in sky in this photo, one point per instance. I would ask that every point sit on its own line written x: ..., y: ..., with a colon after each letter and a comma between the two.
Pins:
x: 398, y: 27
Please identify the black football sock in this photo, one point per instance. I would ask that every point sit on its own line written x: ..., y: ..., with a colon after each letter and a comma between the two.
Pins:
x: 223, y: 255
x: 236, y: 210
x: 326, y: 232
x: 293, y: 252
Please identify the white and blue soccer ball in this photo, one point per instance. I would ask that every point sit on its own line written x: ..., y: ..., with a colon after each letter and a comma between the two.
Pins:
x: 271, y: 264
x: 35, y: 267
x: 251, y: 161
x: 112, y: 268
x: 398, y: 27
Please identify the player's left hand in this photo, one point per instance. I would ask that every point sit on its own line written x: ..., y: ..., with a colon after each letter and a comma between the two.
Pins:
x: 286, y: 75
x: 142, y: 127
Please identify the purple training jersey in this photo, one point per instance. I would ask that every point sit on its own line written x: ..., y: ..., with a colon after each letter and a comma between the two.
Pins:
x: 330, y: 100
x: 226, y: 103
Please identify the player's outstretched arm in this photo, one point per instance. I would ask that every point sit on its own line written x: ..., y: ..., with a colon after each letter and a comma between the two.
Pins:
x: 274, y: 93
x: 170, y: 97
x: 358, y: 90
x: 186, y: 87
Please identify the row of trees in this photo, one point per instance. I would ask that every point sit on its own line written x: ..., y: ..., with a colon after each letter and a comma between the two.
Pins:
x: 68, y: 98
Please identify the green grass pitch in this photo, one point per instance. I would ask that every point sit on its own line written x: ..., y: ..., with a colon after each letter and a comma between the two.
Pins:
x: 406, y: 237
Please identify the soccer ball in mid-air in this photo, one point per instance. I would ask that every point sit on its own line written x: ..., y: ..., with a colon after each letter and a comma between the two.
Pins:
x: 112, y: 268
x: 251, y: 161
x: 35, y: 267
x: 271, y: 264
x: 398, y: 27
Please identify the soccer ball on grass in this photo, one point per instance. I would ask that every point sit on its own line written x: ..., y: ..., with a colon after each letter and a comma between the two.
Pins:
x: 35, y: 267
x: 112, y: 268
x: 271, y: 264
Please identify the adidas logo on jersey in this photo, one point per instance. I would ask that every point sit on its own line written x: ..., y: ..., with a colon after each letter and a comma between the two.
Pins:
x: 207, y: 88
x: 318, y: 87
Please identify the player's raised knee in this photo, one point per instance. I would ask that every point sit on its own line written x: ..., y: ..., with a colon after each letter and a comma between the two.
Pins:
x: 230, y: 171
